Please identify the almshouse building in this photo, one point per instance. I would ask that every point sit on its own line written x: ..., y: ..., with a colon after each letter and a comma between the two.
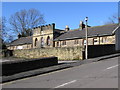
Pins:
x: 96, y: 36
x: 21, y: 43
x: 48, y: 36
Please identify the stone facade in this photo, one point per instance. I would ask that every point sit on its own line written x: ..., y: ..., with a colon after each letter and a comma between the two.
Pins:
x: 91, y: 41
x: 24, y: 46
x: 43, y: 36
x: 47, y: 36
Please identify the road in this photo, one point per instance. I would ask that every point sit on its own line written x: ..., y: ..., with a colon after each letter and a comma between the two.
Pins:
x: 102, y: 74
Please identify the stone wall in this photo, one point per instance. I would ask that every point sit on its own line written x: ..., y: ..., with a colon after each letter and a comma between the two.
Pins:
x: 64, y: 53
x: 13, y: 67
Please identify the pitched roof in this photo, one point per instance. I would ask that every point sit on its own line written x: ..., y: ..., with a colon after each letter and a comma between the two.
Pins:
x: 92, y: 31
x: 21, y: 41
x: 58, y: 31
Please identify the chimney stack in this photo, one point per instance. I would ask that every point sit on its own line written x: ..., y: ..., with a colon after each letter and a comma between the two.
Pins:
x: 67, y: 28
x: 82, y: 25
x: 19, y: 35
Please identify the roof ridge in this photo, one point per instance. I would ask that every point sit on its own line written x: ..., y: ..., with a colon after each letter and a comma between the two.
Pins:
x: 103, y: 25
x: 92, y: 31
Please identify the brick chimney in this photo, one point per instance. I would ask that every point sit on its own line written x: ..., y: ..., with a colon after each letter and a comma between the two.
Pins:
x: 82, y: 25
x: 67, y: 28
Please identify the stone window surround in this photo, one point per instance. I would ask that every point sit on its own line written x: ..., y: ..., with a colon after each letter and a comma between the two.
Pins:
x: 48, y: 41
x: 63, y: 42
x: 36, y: 41
x: 76, y: 41
x: 42, y: 42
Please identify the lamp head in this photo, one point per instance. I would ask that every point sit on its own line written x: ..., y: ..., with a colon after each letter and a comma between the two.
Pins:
x: 86, y: 19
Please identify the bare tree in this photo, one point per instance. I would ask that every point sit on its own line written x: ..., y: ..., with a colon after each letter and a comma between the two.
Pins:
x: 2, y: 32
x: 23, y: 21
x: 113, y: 19
x: 2, y: 27
x: 6, y: 34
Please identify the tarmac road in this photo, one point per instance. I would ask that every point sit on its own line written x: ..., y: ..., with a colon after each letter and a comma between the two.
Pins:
x: 102, y: 74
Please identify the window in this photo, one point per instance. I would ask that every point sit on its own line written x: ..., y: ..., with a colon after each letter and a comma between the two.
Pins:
x: 57, y: 44
x: 76, y: 42
x: 42, y: 42
x: 105, y: 39
x: 84, y: 42
x: 95, y: 40
x: 48, y: 41
x: 36, y: 42
x: 20, y: 47
x: 102, y: 39
x: 63, y: 42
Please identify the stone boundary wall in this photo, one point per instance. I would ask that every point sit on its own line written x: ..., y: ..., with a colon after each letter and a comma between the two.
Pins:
x: 64, y: 53
x: 100, y: 50
x: 13, y: 67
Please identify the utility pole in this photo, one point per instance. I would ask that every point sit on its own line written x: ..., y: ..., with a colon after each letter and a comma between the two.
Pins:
x: 119, y: 13
x: 86, y: 34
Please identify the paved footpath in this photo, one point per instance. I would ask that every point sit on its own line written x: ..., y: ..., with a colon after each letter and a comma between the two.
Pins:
x: 102, y: 74
x: 61, y: 65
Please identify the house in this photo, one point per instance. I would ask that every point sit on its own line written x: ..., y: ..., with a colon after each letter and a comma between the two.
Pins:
x: 98, y: 35
x: 47, y: 36
x: 21, y: 43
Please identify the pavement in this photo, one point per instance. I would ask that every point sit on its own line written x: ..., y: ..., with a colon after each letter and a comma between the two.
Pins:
x: 61, y: 65
x: 96, y: 75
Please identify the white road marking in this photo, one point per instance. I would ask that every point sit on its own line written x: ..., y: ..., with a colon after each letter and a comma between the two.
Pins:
x: 66, y: 84
x: 111, y: 67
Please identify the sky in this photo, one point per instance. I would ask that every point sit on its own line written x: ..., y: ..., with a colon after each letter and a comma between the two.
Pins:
x: 66, y: 13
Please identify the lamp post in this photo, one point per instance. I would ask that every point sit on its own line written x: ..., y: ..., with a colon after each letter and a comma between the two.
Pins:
x: 86, y: 34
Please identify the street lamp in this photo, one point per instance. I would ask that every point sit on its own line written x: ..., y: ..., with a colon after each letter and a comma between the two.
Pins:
x: 86, y: 34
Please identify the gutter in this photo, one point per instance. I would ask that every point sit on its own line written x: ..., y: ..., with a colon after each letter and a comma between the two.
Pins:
x: 113, y: 32
x: 19, y: 44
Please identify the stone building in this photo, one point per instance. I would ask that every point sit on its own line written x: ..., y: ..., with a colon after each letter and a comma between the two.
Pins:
x: 21, y: 43
x: 48, y: 36
x: 43, y: 36
x: 96, y: 36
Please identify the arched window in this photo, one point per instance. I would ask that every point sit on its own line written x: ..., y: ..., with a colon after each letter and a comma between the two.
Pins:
x: 36, y: 40
x: 42, y: 42
x: 48, y: 41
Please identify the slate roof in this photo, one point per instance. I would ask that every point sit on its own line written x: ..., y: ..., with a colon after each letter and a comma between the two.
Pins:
x: 58, y: 30
x: 21, y: 41
x: 72, y: 34
x: 92, y: 31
